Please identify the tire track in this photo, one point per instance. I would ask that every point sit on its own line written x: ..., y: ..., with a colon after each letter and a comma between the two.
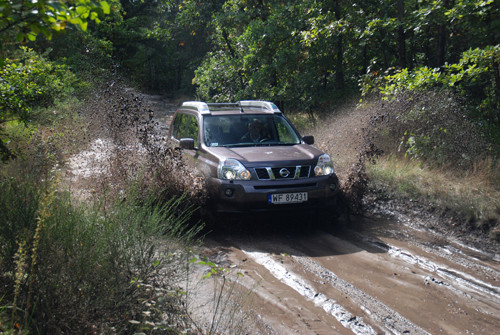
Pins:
x: 330, y: 306
x: 386, y: 318
x: 454, y: 276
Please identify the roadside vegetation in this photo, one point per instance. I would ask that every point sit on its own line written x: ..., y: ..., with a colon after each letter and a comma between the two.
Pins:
x: 434, y: 153
x: 419, y: 150
x: 412, y: 86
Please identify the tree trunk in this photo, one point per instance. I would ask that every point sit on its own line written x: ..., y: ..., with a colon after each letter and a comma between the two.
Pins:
x: 401, y: 35
x: 339, y: 73
x: 441, y: 45
x: 339, y: 66
x: 441, y: 39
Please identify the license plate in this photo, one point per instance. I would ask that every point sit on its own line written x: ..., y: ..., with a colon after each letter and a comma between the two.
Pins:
x: 287, y: 198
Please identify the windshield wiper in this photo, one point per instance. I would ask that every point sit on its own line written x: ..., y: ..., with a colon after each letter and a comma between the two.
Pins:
x: 251, y: 144
x: 236, y: 145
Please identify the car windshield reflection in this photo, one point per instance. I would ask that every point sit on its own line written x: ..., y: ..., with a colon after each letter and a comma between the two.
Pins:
x: 248, y: 130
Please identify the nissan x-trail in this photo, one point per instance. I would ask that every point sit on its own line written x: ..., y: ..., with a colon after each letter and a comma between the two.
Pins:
x: 253, y: 158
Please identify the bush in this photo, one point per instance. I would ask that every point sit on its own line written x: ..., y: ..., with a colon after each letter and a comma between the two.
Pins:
x: 28, y: 84
x: 79, y: 270
x: 474, y: 78
x: 431, y: 126
x: 32, y: 81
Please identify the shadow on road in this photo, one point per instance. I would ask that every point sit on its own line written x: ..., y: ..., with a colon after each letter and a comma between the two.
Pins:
x: 294, y: 235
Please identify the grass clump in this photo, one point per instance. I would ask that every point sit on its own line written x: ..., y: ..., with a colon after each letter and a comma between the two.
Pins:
x: 73, y: 269
x: 473, y: 195
x: 433, y: 152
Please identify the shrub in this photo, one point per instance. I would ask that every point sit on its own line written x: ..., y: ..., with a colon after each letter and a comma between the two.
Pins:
x: 431, y: 126
x: 32, y: 81
x: 474, y: 78
x: 79, y: 270
x: 26, y: 85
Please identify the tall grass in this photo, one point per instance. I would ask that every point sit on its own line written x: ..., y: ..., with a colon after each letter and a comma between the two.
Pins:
x: 473, y: 194
x: 73, y: 269
x: 113, y: 261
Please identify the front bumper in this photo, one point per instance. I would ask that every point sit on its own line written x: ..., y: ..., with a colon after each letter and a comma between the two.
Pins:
x: 252, y: 196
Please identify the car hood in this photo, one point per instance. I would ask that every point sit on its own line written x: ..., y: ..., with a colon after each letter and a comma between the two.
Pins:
x: 252, y: 156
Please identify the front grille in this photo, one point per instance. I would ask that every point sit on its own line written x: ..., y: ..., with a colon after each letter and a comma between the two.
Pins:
x: 284, y: 172
x: 275, y: 186
x: 262, y: 173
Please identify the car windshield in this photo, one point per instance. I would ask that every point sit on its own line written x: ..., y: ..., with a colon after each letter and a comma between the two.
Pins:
x: 248, y: 130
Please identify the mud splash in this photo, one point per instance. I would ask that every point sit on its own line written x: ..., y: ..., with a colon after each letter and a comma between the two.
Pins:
x: 349, y: 137
x: 127, y: 144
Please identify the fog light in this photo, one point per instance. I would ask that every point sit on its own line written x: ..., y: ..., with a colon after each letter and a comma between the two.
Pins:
x: 228, y: 192
x: 333, y: 187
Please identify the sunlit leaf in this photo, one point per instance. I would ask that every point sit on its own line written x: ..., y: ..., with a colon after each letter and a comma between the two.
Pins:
x: 82, y: 9
x: 83, y: 25
x: 105, y: 7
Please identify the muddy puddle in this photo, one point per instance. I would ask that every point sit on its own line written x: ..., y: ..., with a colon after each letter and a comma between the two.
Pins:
x: 375, y: 277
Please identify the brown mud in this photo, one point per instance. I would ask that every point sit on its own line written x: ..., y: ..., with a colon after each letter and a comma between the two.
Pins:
x: 377, y: 276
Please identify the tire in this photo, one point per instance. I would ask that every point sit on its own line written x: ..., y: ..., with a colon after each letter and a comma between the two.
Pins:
x: 333, y: 217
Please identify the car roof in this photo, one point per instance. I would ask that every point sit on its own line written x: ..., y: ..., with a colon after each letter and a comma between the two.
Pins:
x: 239, y: 107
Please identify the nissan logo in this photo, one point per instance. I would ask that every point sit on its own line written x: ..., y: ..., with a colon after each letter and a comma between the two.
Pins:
x: 284, y: 172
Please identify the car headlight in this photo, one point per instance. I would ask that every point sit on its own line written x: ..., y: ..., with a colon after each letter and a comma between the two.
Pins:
x: 324, y: 166
x: 232, y: 169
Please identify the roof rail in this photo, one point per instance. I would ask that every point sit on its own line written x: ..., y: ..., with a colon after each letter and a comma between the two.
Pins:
x: 201, y: 106
x: 224, y: 105
x: 266, y: 105
x: 205, y: 108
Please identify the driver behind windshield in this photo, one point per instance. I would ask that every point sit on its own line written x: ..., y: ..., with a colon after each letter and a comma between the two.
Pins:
x: 255, y: 132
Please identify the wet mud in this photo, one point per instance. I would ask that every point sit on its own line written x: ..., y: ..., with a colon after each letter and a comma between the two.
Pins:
x: 376, y: 277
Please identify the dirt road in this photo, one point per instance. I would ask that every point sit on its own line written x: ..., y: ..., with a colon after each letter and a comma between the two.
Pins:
x: 376, y: 277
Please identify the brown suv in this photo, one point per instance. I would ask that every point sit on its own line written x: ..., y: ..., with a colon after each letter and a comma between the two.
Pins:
x: 252, y: 157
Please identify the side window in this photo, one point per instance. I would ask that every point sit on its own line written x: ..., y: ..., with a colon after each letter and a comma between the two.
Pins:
x: 176, y: 126
x: 285, y: 132
x: 186, y: 126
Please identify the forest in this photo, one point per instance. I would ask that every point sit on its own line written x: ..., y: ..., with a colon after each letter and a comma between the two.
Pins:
x: 307, y: 55
x: 433, y: 64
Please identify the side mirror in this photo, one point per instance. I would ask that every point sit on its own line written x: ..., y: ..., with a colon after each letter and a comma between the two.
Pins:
x: 309, y: 139
x: 186, y: 143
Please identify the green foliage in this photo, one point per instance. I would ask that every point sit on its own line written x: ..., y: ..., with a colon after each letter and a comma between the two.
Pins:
x: 88, y: 56
x: 306, y: 54
x: 26, y: 19
x: 26, y: 85
x: 475, y: 78
x: 265, y: 51
x: 154, y: 47
x: 218, y: 78
x: 64, y: 260
x: 27, y: 80
x: 32, y: 81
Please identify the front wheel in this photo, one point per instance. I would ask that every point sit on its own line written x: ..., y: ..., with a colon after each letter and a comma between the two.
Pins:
x: 333, y: 216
